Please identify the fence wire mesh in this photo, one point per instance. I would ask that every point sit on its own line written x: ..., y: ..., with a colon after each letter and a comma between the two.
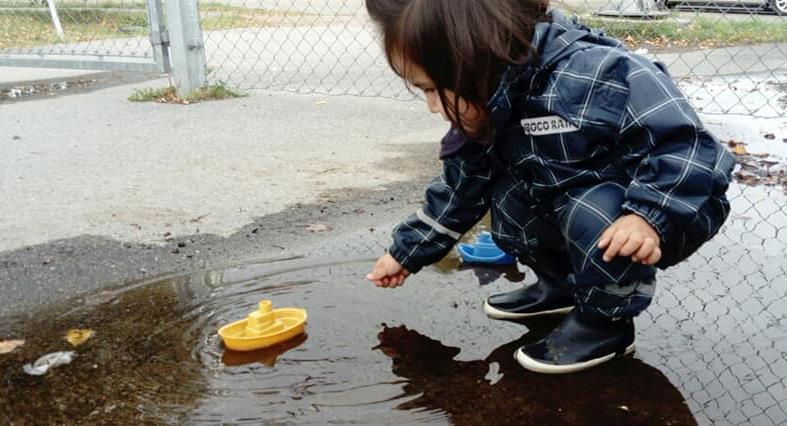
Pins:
x: 719, y: 321
x: 726, y: 58
x: 75, y: 27
x: 729, y: 56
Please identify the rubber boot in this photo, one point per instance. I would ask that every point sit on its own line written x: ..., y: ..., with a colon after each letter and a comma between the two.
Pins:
x: 546, y: 297
x: 581, y: 341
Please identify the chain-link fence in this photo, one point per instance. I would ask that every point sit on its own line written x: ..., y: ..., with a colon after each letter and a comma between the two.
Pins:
x: 91, y: 34
x: 727, y: 56
x: 727, y: 59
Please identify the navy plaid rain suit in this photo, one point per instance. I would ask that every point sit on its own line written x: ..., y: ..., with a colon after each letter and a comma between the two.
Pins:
x: 584, y: 133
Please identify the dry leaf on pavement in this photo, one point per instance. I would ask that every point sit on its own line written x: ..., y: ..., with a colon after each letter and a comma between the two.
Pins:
x: 8, y: 346
x: 77, y: 337
x: 318, y: 227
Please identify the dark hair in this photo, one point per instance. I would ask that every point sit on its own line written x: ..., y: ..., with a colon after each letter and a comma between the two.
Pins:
x: 462, y: 45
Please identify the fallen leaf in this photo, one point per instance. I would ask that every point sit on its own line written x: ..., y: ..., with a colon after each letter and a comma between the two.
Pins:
x: 318, y: 227
x: 77, y: 337
x: 746, y: 178
x: 8, y: 346
x: 770, y: 136
x: 739, y: 150
x: 761, y: 155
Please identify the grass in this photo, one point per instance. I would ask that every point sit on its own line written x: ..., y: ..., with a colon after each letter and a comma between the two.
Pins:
x: 25, y: 24
x: 28, y: 28
x: 168, y: 95
x: 700, y: 31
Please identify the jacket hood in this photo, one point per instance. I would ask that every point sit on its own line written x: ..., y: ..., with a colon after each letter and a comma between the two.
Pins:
x: 558, y: 39
x: 554, y: 41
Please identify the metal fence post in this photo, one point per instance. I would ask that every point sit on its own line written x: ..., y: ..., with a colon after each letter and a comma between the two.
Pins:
x: 159, y: 37
x: 55, y: 19
x: 187, y: 49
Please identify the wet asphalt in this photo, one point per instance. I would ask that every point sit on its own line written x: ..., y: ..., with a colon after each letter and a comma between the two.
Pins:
x: 34, y: 276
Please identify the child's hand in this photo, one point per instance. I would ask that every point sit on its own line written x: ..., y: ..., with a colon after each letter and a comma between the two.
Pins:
x: 633, y: 236
x: 388, y: 272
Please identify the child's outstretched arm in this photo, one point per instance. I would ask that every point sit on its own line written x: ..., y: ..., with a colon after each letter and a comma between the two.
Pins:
x: 454, y: 202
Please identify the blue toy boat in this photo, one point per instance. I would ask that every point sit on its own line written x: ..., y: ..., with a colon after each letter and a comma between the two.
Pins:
x: 484, y: 251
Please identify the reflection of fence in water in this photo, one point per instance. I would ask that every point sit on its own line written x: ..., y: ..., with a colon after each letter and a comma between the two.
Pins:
x: 719, y: 321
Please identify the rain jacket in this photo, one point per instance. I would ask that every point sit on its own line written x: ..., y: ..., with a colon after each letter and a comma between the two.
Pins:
x: 585, y: 110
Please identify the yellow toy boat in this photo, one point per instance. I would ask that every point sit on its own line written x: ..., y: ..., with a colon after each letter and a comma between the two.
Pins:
x: 264, y: 327
x: 265, y: 356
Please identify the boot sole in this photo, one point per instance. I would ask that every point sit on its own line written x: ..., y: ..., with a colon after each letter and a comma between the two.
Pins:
x: 495, y: 313
x: 540, y: 367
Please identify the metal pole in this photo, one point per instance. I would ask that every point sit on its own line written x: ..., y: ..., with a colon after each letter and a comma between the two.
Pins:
x: 55, y: 19
x: 187, y: 50
x: 159, y: 37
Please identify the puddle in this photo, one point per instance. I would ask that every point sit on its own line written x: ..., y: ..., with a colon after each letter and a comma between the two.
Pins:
x: 711, y: 349
x: 370, y: 356
x: 760, y: 95
x: 44, y: 89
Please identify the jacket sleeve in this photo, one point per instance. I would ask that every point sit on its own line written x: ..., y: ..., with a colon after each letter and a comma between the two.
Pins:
x: 675, y: 164
x: 454, y: 202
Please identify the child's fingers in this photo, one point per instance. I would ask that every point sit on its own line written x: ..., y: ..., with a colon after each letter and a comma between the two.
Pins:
x: 377, y: 273
x: 633, y: 243
x: 644, y: 252
x: 372, y: 276
x: 392, y: 281
x: 616, y: 242
x: 654, y: 257
x: 606, y: 236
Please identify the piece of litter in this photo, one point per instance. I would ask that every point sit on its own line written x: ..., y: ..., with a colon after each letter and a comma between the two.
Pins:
x: 770, y: 136
x: 624, y: 408
x: 493, y: 375
x: 77, y: 337
x: 321, y: 103
x: 318, y: 227
x: 641, y: 51
x: 43, y: 364
x: 8, y: 346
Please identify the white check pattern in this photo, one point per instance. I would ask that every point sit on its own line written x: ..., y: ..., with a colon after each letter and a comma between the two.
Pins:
x: 636, y: 130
